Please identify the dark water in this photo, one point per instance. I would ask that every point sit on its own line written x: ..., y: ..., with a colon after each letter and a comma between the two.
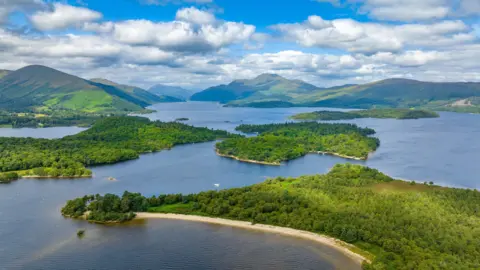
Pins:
x: 33, y: 235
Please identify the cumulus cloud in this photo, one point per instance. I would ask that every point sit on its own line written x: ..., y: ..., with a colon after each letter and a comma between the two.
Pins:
x: 361, y: 37
x: 406, y: 10
x: 193, y: 31
x: 63, y: 16
x: 195, y: 16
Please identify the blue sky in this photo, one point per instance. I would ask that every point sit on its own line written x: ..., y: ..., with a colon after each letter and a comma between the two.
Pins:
x: 200, y: 43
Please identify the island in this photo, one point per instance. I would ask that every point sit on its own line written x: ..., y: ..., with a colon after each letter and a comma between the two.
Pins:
x: 394, y: 224
x: 371, y: 113
x: 109, y: 140
x: 276, y: 143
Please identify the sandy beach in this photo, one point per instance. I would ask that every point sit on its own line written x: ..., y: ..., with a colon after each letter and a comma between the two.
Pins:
x: 248, y: 160
x: 278, y: 164
x: 338, y: 155
x: 324, y: 240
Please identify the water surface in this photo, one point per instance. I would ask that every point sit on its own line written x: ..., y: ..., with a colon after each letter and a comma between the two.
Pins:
x: 33, y: 235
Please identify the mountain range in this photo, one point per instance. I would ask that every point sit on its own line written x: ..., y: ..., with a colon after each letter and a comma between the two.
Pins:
x: 173, y: 91
x: 41, y: 88
x: 270, y: 90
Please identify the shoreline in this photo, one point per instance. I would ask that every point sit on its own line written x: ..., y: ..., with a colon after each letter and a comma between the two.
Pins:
x: 318, y: 238
x: 54, y: 177
x: 337, y: 155
x: 279, y: 164
x: 247, y: 160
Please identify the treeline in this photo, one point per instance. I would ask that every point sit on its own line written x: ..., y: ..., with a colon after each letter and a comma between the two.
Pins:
x: 427, y: 228
x: 108, y: 141
x: 372, y: 113
x: 282, y: 142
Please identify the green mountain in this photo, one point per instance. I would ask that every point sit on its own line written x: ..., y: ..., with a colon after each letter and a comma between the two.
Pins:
x: 275, y: 91
x: 4, y: 72
x: 173, y: 91
x: 394, y: 93
x: 44, y: 89
x: 137, y: 92
x: 266, y: 87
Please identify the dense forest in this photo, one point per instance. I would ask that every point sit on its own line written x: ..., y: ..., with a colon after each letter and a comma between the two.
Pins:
x: 282, y: 142
x: 372, y: 113
x: 108, y: 141
x: 402, y: 225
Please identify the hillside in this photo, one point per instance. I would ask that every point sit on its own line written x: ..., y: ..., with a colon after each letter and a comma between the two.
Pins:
x: 138, y: 92
x: 42, y: 88
x: 394, y: 93
x: 266, y: 87
x: 172, y: 91
x: 275, y: 91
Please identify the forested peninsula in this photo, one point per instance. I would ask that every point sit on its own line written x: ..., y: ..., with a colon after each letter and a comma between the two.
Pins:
x: 397, y: 224
x: 276, y: 143
x: 372, y: 113
x: 108, y: 141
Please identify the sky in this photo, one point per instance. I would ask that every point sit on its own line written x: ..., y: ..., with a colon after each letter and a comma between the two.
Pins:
x: 201, y: 43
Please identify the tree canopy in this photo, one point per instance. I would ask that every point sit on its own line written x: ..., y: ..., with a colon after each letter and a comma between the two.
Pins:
x: 108, y: 141
x: 372, y: 113
x: 282, y: 142
x: 402, y: 225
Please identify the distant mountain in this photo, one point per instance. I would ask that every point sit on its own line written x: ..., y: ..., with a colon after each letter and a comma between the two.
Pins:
x: 4, y: 72
x: 40, y: 87
x: 269, y: 90
x: 394, y: 93
x: 266, y: 87
x: 138, y: 92
x: 173, y: 91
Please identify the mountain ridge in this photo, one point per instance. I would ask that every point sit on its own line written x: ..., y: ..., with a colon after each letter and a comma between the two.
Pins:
x: 387, y: 93
x: 38, y: 87
x: 264, y: 87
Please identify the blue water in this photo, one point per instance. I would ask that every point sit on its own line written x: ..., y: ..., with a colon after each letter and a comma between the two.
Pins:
x: 33, y: 235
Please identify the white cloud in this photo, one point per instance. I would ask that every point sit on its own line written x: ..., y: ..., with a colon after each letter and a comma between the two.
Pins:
x: 193, y: 31
x: 361, y: 37
x: 63, y: 16
x: 195, y: 16
x: 406, y: 10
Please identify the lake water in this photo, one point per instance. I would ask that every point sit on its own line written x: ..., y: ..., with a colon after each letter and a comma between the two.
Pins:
x: 33, y: 235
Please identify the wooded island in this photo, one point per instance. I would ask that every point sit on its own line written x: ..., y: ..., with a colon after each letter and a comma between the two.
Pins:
x: 372, y: 113
x: 276, y: 143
